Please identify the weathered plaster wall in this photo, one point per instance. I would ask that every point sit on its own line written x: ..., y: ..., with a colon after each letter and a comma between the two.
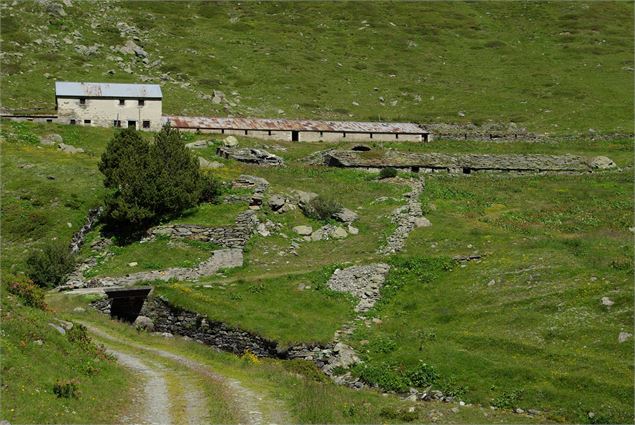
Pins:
x: 102, y: 112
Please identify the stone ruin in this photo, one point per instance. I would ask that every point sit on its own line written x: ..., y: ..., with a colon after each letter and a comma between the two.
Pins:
x: 249, y: 155
x: 463, y: 163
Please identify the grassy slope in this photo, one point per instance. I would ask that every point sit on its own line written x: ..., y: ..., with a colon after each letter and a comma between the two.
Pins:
x: 305, y: 394
x: 29, y: 372
x: 554, y: 67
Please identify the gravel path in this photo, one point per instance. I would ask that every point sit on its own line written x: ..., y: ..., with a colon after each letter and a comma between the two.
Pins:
x: 246, y: 401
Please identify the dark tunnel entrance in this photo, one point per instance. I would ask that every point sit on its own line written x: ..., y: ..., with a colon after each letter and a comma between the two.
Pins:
x: 126, y: 303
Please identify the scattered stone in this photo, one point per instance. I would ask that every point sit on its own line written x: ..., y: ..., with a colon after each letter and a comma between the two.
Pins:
x: 144, y: 323
x: 79, y: 310
x: 69, y: 148
x: 519, y: 410
x: 602, y: 163
x: 303, y: 230
x: 352, y: 230
x: 491, y: 283
x: 58, y: 328
x: 339, y: 233
x: 133, y: 264
x: 405, y: 217
x: 38, y: 342
x: 364, y: 282
x: 230, y: 142
x: 624, y: 336
x: 50, y: 177
x: 205, y: 164
x: 607, y: 301
x: 345, y: 215
x: 276, y: 202
x: 51, y: 139
x: 199, y: 144
x: 422, y: 222
x: 455, y: 409
x: 249, y: 155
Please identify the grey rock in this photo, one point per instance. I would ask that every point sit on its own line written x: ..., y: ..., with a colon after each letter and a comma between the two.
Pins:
x: 352, y: 230
x: 602, y: 163
x: 250, y: 155
x: 345, y: 215
x: 51, y: 139
x: 58, y: 328
x: 144, y: 323
x: 205, y: 164
x: 69, y: 148
x: 303, y: 230
x: 199, y: 144
x: 276, y: 202
x: 422, y: 222
x: 79, y: 310
x: 230, y: 142
x: 607, y: 301
x: 624, y: 336
x: 339, y: 233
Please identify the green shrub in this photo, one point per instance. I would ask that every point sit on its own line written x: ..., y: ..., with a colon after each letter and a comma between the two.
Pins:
x: 211, y: 189
x: 382, y: 375
x: 423, y: 375
x: 388, y: 172
x: 322, y: 208
x: 401, y: 415
x: 78, y: 335
x: 149, y: 181
x: 66, y: 388
x: 382, y: 345
x: 30, y: 294
x: 50, y: 266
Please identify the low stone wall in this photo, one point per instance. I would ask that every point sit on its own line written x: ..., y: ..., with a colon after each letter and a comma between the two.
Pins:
x: 78, y: 238
x: 466, y: 163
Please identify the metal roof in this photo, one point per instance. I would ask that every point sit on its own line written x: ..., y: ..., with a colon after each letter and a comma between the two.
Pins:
x: 293, y: 125
x: 137, y: 91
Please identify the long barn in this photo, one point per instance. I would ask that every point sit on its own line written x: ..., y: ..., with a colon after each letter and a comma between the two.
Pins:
x: 303, y: 130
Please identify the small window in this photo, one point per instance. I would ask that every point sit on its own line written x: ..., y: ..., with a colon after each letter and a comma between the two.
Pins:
x: 344, y: 135
x: 87, y: 122
x: 122, y: 101
x: 146, y: 124
x: 371, y: 135
x: 142, y: 102
x: 116, y: 123
x: 396, y: 136
x: 321, y: 133
x: 82, y: 100
x: 246, y: 132
x: 269, y: 133
x: 49, y: 120
x: 73, y: 122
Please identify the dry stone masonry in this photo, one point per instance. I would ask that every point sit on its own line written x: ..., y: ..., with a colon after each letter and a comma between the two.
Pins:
x: 466, y: 163
x: 249, y: 155
x: 407, y: 217
x: 363, y: 282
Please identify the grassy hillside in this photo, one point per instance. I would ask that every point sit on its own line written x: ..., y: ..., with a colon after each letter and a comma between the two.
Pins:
x: 558, y: 67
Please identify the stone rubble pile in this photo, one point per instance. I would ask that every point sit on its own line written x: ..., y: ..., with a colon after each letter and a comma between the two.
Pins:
x: 78, y: 238
x: 363, y: 282
x: 249, y: 155
x: 407, y: 218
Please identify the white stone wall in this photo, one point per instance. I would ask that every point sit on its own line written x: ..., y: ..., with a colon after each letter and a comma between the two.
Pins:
x: 103, y: 112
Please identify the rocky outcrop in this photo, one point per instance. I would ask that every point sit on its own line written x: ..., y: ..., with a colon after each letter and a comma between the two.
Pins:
x: 466, y: 163
x: 407, y: 218
x: 363, y: 282
x: 249, y: 155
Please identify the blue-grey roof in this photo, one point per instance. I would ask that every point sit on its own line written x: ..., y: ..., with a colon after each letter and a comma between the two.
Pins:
x: 136, y: 91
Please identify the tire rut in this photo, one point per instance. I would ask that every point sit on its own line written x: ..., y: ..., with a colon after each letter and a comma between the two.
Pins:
x: 246, y: 400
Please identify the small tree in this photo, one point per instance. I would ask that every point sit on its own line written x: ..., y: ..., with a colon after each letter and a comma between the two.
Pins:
x: 322, y: 208
x: 125, y: 153
x: 387, y: 172
x: 50, y: 266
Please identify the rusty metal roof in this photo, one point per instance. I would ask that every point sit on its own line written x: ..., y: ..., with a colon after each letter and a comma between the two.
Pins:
x: 136, y: 91
x: 293, y: 125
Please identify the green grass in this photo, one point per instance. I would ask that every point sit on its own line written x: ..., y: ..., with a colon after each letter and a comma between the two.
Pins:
x: 29, y: 372
x: 558, y: 67
x: 274, y: 308
x: 161, y: 253
x: 553, y: 246
x: 295, y: 387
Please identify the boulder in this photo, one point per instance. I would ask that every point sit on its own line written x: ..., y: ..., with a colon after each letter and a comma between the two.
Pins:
x: 69, y: 148
x: 144, y: 323
x: 230, y: 142
x: 339, y: 233
x: 303, y: 230
x: 602, y: 163
x: 51, y: 139
x: 352, y: 230
x: 624, y: 336
x: 318, y: 235
x: 304, y: 197
x: 345, y: 215
x: 345, y: 356
x: 276, y: 202
x: 607, y: 301
x: 422, y: 222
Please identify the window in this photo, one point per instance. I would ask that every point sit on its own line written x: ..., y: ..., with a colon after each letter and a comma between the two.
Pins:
x: 49, y: 120
x: 146, y: 124
x: 116, y: 123
x: 142, y: 102
x: 122, y: 101
x: 82, y: 100
x: 87, y: 122
x: 269, y: 133
x: 73, y: 122
x: 344, y: 134
x: 246, y: 132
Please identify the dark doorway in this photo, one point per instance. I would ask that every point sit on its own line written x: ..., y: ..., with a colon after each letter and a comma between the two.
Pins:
x: 467, y: 170
x: 132, y: 124
x: 295, y: 136
x: 126, y: 303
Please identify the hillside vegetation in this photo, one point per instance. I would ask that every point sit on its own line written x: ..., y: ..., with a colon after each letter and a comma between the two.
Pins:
x: 558, y: 67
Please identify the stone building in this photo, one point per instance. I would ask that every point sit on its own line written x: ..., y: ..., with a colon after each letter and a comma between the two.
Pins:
x: 109, y: 104
x: 303, y: 130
